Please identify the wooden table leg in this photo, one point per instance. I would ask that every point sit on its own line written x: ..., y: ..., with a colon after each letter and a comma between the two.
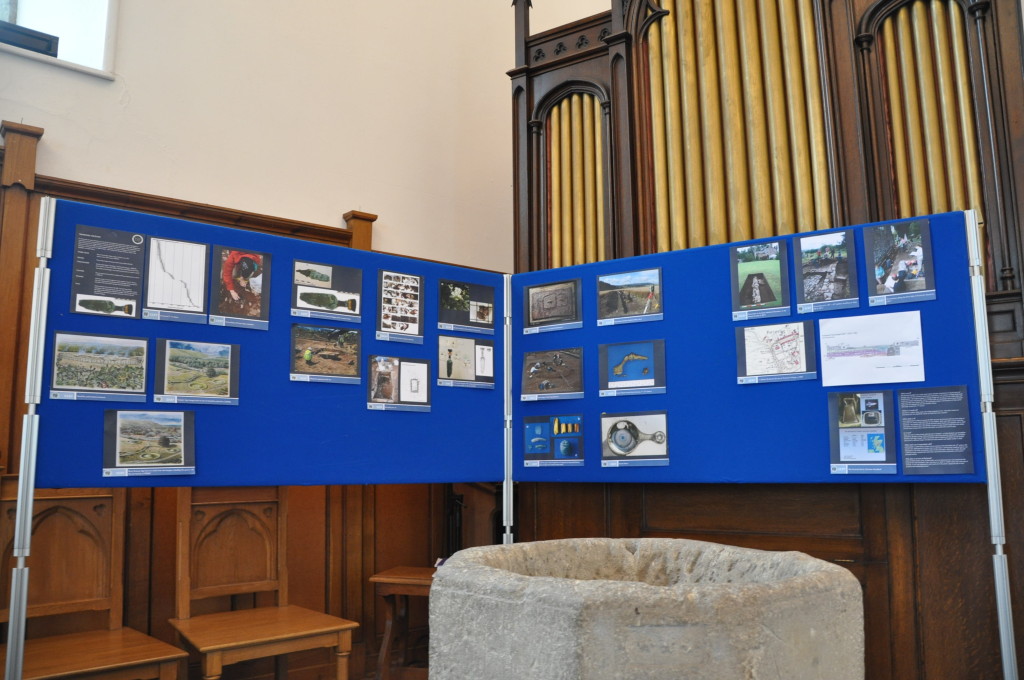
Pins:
x: 384, y: 658
x: 402, y: 628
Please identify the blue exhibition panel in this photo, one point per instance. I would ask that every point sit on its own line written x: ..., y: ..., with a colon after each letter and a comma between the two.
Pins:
x: 283, y: 430
x: 714, y: 427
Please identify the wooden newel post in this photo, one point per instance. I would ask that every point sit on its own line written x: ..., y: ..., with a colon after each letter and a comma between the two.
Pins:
x: 361, y: 226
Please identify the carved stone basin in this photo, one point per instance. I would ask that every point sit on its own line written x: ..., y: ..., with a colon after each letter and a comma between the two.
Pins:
x: 643, y: 609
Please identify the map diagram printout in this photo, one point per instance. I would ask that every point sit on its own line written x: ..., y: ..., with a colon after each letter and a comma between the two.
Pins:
x: 777, y: 352
x: 866, y: 350
x: 775, y: 349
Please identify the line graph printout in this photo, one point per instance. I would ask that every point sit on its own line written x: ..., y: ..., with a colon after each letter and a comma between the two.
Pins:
x: 176, y: 280
x: 865, y: 350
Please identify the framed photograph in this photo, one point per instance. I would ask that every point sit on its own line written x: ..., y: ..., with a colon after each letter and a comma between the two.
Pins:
x: 98, y: 367
x: 325, y: 291
x: 634, y: 439
x: 398, y: 384
x: 553, y: 441
x: 325, y: 354
x: 148, y: 443
x: 826, y: 272
x: 240, y: 288
x: 400, y: 308
x: 552, y: 374
x: 899, y: 269
x: 760, y: 280
x: 466, y: 307
x: 632, y: 368
x: 552, y: 306
x: 775, y: 353
x: 629, y: 297
x: 465, y: 362
x: 189, y: 372
x: 176, y: 281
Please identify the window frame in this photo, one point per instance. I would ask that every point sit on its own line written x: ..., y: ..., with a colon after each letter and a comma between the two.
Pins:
x: 109, y: 42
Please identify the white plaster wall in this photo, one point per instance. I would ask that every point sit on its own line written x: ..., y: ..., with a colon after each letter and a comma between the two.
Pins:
x: 398, y: 108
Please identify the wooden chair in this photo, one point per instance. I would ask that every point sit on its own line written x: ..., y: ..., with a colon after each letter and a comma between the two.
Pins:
x: 232, y: 542
x: 75, y: 589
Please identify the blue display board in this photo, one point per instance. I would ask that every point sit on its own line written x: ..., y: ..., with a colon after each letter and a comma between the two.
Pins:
x: 680, y: 323
x: 281, y: 422
x: 831, y: 357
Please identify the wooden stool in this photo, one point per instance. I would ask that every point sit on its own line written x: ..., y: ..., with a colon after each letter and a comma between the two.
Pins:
x: 395, y: 586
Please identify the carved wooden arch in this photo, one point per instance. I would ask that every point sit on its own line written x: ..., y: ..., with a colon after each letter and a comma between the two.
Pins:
x: 871, y: 21
x: 542, y: 108
x: 640, y: 15
x: 215, y: 528
x: 92, y: 581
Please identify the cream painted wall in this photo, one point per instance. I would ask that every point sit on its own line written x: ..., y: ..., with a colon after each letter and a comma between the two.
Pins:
x: 400, y: 109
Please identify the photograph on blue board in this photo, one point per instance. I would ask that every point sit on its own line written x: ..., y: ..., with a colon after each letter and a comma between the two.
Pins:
x: 464, y: 360
x: 399, y: 382
x: 553, y: 372
x: 401, y: 304
x: 98, y: 363
x: 240, y: 286
x: 553, y: 303
x: 629, y: 294
x: 552, y: 441
x: 636, y: 367
x: 826, y: 271
x: 325, y: 291
x: 634, y: 438
x: 760, y: 280
x: 197, y: 368
x: 899, y: 261
x: 148, y: 439
x: 862, y: 433
x: 325, y: 351
x: 465, y: 306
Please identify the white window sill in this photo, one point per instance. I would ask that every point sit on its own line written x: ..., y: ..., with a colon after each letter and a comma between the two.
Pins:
x: 35, y: 56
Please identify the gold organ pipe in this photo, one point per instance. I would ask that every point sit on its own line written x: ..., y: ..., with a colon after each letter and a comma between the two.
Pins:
x: 815, y: 121
x: 576, y: 111
x: 797, y: 112
x: 756, y: 121
x: 972, y: 166
x: 934, y: 161
x: 711, y: 117
x: 899, y: 149
x: 659, y: 142
x: 589, y: 190
x: 599, y: 179
x: 911, y: 107
x: 676, y: 216
x: 778, y: 122
x: 564, y: 112
x: 737, y: 182
x: 948, y: 106
x: 555, y: 186
x: 693, y: 143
